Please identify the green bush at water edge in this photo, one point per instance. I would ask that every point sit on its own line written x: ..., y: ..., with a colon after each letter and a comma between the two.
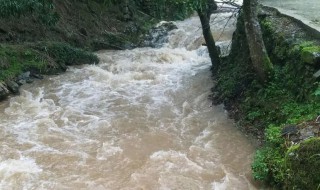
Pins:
x: 44, y: 57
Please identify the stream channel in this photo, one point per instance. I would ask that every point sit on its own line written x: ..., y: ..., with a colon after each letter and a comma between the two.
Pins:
x: 140, y: 119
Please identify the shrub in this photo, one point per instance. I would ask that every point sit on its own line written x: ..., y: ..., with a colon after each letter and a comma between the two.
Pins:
x: 303, y: 162
x: 65, y: 54
x: 269, y: 162
x: 19, y: 59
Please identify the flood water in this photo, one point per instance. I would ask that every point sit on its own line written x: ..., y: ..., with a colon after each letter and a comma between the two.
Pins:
x: 140, y: 119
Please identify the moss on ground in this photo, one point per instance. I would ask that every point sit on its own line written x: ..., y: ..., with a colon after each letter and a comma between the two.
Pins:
x: 309, y: 52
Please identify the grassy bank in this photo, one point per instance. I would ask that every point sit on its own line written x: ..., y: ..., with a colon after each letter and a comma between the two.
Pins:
x: 37, y: 58
x: 281, y: 111
x: 44, y: 37
x: 41, y: 58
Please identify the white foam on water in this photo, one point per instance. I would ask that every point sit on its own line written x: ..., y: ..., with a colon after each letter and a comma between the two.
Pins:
x: 23, y: 172
x: 232, y: 182
x: 107, y: 150
x: 141, y: 119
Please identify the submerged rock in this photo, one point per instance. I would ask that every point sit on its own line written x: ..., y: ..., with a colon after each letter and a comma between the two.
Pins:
x: 29, y: 80
x: 158, y: 35
x: 37, y: 76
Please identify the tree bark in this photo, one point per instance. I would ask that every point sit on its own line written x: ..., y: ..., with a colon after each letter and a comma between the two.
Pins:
x: 211, y: 45
x: 258, y: 53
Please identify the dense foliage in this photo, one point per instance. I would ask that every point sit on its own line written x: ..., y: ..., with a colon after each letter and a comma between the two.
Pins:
x: 289, y: 98
x: 172, y: 9
x: 303, y: 162
x: 44, y: 10
x: 64, y: 54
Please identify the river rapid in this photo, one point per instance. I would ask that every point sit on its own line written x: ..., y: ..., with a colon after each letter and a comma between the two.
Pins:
x: 140, y: 119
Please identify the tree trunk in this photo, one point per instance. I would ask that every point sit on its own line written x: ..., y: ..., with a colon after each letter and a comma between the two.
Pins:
x: 211, y: 45
x: 258, y: 52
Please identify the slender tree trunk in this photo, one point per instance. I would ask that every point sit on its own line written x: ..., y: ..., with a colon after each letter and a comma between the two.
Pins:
x: 258, y: 52
x: 211, y: 45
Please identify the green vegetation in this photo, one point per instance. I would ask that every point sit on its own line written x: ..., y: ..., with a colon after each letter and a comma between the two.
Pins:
x: 64, y: 54
x: 291, y: 96
x: 303, y: 163
x: 157, y: 9
x: 44, y: 10
x: 269, y: 162
x: 167, y: 9
x: 47, y: 36
x: 16, y: 59
x: 296, y: 167
x: 307, y: 52
x: 45, y: 58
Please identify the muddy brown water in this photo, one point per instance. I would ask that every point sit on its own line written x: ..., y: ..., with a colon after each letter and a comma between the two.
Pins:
x: 141, y: 119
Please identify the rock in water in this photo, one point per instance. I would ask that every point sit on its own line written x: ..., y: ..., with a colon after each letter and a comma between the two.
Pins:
x: 13, y: 87
x: 158, y: 35
x: 37, y: 76
x: 22, y: 79
x: 4, y: 92
x: 24, y: 76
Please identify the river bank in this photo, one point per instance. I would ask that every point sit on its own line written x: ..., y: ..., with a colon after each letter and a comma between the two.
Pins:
x: 32, y: 44
x: 283, y: 113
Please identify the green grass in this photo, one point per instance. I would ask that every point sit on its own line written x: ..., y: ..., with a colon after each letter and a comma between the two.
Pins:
x: 42, y: 10
x: 44, y: 57
x: 17, y: 59
x: 65, y: 54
